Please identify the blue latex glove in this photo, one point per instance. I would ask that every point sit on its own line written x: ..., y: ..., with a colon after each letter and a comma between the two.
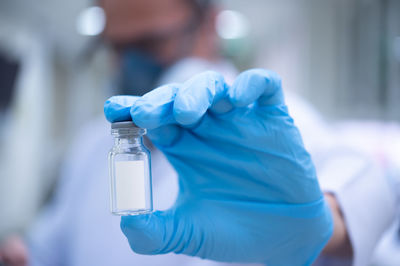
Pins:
x: 248, y: 190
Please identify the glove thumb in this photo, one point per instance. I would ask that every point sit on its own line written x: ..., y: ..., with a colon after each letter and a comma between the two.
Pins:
x: 147, y: 234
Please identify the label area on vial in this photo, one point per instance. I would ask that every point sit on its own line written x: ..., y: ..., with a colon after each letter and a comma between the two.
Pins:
x: 130, y: 185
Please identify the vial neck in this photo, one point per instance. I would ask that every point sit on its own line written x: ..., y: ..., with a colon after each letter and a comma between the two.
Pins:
x: 128, y: 141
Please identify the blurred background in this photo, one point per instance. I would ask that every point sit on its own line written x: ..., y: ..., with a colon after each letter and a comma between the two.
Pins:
x: 343, y: 56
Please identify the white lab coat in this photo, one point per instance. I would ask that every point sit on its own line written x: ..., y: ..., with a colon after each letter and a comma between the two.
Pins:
x: 77, y: 228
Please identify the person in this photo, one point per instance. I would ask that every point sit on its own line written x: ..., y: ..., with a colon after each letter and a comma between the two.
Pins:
x: 77, y: 229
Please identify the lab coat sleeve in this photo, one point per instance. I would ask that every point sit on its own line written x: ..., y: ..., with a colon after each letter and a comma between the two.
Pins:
x: 49, y: 238
x: 46, y: 239
x: 363, y: 188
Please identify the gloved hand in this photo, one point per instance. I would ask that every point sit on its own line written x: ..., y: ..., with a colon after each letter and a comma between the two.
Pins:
x: 248, y: 190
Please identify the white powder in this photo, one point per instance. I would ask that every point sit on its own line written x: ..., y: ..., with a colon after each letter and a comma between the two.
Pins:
x: 130, y: 185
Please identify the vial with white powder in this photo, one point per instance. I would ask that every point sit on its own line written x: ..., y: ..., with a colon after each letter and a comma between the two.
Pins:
x: 130, y: 173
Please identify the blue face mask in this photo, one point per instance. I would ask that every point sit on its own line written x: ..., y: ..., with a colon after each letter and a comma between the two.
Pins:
x: 139, y: 73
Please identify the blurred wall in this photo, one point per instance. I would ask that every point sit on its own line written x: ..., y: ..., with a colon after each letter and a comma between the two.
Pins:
x: 342, y: 55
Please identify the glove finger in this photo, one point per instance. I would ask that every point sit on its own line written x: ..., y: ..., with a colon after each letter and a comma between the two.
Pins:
x: 258, y: 85
x: 154, y: 109
x: 117, y: 108
x: 198, y: 94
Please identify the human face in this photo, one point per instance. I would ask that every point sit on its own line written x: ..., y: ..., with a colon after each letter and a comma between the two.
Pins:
x: 152, y: 26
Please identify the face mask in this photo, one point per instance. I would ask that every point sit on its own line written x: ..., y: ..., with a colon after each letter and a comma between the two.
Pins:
x: 139, y: 73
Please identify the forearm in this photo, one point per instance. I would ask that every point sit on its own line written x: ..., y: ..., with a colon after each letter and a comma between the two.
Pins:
x: 339, y: 245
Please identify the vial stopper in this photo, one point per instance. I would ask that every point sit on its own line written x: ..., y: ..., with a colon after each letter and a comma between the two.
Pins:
x: 124, y: 124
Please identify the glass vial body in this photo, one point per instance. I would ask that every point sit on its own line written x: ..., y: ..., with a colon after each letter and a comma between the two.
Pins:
x: 130, y: 172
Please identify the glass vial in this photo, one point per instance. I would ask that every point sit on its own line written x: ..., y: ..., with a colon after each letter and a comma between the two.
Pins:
x: 130, y: 172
